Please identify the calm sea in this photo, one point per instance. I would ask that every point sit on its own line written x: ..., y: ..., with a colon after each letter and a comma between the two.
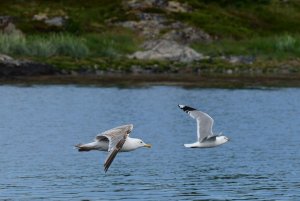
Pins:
x: 40, y: 124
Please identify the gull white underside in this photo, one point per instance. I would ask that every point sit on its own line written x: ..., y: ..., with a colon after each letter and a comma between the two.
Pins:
x: 207, y: 144
x: 104, y: 145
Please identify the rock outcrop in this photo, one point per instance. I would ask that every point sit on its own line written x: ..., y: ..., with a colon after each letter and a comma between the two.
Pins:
x: 169, y: 39
x: 56, y: 21
x: 167, y: 49
x: 7, y: 26
x: 10, y: 67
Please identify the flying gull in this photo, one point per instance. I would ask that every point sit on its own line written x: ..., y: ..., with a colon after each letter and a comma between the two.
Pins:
x: 113, y: 140
x: 206, y: 138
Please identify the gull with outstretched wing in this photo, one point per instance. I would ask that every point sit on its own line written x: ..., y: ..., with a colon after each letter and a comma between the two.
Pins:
x: 205, y: 136
x: 114, y: 140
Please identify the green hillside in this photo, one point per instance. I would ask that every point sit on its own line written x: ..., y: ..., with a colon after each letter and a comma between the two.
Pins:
x: 237, y: 19
x: 267, y: 29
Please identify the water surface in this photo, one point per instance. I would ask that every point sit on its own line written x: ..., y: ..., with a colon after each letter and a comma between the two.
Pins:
x: 40, y: 124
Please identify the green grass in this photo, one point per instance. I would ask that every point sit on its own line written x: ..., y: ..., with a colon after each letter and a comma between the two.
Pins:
x: 12, y: 44
x: 107, y: 44
x: 222, y: 18
x: 274, y: 47
x: 84, y: 16
x: 111, y: 44
x: 43, y: 45
x: 243, y: 19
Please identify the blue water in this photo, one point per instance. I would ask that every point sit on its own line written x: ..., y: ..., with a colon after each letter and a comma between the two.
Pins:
x: 40, y: 124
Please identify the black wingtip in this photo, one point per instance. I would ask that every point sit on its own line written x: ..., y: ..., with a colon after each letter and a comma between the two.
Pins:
x: 106, y: 168
x: 186, y: 108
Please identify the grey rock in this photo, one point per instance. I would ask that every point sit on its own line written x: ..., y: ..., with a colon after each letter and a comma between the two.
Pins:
x: 153, y: 25
x: 167, y: 50
x: 74, y: 73
x: 4, y: 21
x: 7, y: 26
x: 40, y: 17
x: 99, y: 72
x: 229, y: 71
x: 239, y: 59
x: 5, y: 58
x: 150, y: 25
x: 136, y: 69
x: 186, y: 34
x: 175, y: 6
x: 151, y: 17
x: 142, y: 4
x: 136, y: 4
x: 10, y: 67
x: 148, y: 28
x: 56, y: 21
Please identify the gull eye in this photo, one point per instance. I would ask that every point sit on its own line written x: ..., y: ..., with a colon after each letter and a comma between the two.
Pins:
x: 141, y: 142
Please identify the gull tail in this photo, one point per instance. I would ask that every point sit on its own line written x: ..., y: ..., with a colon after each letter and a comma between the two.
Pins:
x: 83, y: 147
x: 193, y: 145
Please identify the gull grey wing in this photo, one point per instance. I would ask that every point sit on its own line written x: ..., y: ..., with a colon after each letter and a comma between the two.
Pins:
x: 210, y: 138
x: 112, y: 154
x: 117, y: 137
x: 114, y: 135
x: 204, y: 121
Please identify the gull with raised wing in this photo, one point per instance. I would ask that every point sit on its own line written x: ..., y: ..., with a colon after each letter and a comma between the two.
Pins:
x: 205, y: 136
x: 113, y: 140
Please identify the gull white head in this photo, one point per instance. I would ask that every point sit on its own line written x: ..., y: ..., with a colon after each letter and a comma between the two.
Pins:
x: 134, y: 143
x: 140, y: 143
x: 223, y: 139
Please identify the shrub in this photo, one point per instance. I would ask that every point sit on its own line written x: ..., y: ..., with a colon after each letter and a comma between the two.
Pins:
x: 12, y: 44
x: 44, y: 45
x: 279, y: 47
x: 111, y: 45
x: 68, y: 45
x: 285, y: 43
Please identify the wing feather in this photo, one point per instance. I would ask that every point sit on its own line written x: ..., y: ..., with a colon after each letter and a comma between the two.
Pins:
x: 204, y: 122
x: 112, y: 154
x: 117, y: 137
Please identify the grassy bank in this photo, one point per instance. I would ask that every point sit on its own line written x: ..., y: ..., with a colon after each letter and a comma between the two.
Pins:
x: 112, y: 45
x: 269, y: 30
x: 222, y: 18
x: 241, y: 19
x: 84, y: 16
x: 276, y: 47
x: 64, y: 44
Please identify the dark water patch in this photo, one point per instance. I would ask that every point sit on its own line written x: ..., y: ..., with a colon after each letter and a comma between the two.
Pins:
x: 238, y: 176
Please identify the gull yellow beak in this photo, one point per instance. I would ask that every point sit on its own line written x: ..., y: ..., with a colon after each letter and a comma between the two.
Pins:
x: 148, y: 145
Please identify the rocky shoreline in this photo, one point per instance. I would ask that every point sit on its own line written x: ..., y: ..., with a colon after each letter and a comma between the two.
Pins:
x: 130, y: 80
x: 14, y: 71
x: 10, y: 67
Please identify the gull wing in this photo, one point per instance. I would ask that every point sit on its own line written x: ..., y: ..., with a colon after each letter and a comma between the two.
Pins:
x: 113, y: 153
x: 117, y: 137
x: 204, y: 121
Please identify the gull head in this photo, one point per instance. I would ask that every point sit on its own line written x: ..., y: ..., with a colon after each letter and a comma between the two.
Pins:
x: 224, y: 138
x: 140, y: 143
